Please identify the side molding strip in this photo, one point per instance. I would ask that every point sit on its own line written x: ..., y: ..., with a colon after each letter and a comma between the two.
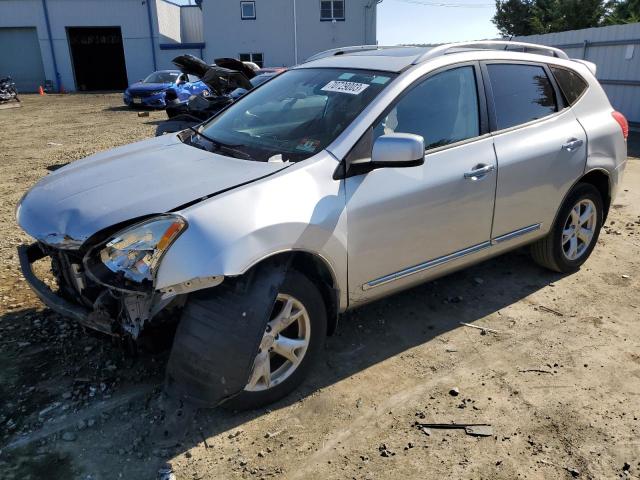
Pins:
x: 516, y: 233
x: 450, y: 257
x: 425, y: 266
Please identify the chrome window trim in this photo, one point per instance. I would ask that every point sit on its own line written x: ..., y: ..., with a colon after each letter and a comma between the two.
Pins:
x: 493, y: 126
x: 562, y: 67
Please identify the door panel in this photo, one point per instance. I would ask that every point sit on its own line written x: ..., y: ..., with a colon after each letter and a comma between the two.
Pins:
x: 402, y: 217
x: 541, y: 152
x: 536, y: 172
x: 405, y: 221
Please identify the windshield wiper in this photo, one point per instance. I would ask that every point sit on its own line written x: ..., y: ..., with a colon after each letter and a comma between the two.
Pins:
x: 221, y: 146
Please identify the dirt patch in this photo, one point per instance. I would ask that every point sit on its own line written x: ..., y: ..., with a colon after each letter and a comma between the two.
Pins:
x: 560, y: 383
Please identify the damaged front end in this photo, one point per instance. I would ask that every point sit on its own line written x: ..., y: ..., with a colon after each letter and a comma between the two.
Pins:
x: 108, y: 284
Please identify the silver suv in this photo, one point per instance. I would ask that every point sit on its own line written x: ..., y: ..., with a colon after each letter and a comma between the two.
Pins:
x: 362, y: 172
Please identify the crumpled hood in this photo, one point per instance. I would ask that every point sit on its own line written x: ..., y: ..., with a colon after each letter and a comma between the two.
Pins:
x: 149, y: 177
x: 148, y: 87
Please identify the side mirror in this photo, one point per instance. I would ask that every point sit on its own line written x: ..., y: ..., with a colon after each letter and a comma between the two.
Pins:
x: 398, y: 150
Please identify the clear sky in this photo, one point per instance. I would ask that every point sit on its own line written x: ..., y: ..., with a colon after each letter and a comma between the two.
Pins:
x: 429, y: 21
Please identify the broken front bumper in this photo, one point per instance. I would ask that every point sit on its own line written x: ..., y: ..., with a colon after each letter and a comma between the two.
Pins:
x: 28, y: 254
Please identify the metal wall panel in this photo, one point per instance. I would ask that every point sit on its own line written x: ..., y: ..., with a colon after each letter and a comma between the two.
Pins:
x: 21, y: 57
x: 616, y: 52
x: 168, y: 21
x: 191, y: 24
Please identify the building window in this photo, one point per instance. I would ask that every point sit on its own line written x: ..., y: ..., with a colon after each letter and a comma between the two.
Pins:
x: 256, y: 58
x: 331, y: 10
x: 248, y: 10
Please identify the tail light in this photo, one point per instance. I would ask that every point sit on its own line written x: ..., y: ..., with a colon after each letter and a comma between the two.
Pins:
x: 622, y: 121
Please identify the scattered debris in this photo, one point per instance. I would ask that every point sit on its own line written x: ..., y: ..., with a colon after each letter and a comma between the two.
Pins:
x: 478, y: 280
x: 473, y: 429
x: 574, y: 472
x: 54, y: 144
x: 166, y: 473
x: 384, y: 451
x: 143, y: 114
x: 273, y: 434
x: 483, y: 330
x: 626, y: 276
x: 550, y: 310
x: 454, y: 392
x: 236, y: 433
x: 535, y: 370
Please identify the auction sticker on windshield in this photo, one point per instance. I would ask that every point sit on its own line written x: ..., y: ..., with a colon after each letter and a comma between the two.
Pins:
x: 340, y: 86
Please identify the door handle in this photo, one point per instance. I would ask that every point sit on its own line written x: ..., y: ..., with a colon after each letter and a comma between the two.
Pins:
x: 572, y: 145
x: 479, y: 172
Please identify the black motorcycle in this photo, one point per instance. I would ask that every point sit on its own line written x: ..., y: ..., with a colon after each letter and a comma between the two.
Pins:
x: 8, y: 90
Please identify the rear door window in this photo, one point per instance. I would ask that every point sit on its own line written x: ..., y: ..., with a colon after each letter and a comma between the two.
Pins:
x: 521, y: 93
x: 571, y: 84
x: 443, y: 109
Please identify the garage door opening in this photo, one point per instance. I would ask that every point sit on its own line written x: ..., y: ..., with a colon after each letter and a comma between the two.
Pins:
x: 98, y: 58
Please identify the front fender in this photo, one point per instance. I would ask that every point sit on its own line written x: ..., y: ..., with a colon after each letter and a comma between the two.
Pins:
x: 299, y: 209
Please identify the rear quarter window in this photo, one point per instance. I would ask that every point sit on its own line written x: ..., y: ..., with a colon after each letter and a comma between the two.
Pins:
x: 571, y: 84
x: 521, y: 93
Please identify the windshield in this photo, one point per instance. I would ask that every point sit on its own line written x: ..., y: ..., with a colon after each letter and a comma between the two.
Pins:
x: 260, y: 79
x: 161, y: 77
x: 296, y: 114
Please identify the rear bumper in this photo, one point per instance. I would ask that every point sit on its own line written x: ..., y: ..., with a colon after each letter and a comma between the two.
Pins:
x: 31, y: 253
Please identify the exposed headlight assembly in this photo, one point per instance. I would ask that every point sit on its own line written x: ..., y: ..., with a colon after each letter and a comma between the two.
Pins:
x: 129, y: 260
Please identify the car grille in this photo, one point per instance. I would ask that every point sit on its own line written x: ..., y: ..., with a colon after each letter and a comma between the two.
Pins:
x: 144, y: 94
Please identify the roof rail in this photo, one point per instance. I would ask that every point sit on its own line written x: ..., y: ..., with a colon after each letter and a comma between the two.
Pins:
x: 351, y: 49
x: 492, y: 45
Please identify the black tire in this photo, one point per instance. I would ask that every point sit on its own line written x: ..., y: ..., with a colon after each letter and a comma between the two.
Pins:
x: 299, y: 286
x: 548, y: 251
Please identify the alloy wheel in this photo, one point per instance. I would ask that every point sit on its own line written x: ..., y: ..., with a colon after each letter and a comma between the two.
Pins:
x: 283, y: 345
x: 579, y: 229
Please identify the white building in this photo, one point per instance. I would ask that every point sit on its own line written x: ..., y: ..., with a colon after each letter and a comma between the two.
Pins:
x: 107, y: 44
x: 285, y: 32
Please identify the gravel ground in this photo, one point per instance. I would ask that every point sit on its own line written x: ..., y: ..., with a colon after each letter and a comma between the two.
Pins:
x: 559, y: 383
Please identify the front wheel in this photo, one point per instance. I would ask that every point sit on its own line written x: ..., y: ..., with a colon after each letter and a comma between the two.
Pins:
x: 575, y: 232
x: 291, y: 343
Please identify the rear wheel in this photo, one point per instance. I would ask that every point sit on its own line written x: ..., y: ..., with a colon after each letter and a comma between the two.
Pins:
x: 291, y: 343
x: 575, y: 233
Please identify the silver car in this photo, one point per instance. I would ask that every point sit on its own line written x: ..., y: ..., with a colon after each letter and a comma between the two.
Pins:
x: 362, y: 172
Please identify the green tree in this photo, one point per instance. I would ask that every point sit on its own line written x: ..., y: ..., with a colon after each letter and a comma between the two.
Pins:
x: 577, y: 14
x: 528, y: 17
x: 513, y: 17
x: 625, y: 11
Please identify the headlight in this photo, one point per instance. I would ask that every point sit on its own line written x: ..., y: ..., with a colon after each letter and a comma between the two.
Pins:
x: 134, y: 254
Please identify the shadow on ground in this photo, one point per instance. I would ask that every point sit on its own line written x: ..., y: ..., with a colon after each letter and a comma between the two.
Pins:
x: 365, y: 336
x: 133, y: 108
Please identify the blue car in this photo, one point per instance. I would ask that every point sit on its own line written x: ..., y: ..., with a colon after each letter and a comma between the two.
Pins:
x: 151, y: 91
